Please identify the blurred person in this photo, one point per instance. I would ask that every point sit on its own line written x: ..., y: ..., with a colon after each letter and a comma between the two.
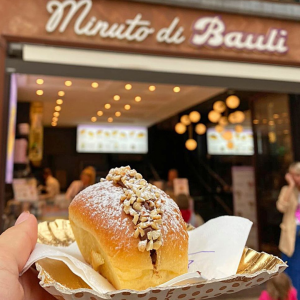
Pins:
x: 87, y: 178
x: 186, y: 208
x: 16, y: 244
x: 279, y: 288
x: 51, y: 188
x: 289, y: 204
x: 169, y: 187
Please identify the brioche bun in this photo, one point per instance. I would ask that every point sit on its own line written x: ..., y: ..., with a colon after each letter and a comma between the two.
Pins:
x: 105, y: 236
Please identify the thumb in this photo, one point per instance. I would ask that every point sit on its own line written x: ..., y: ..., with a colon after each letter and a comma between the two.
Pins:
x: 17, y: 243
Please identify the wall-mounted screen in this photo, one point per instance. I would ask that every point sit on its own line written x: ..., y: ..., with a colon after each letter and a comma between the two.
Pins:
x: 230, y: 142
x: 111, y: 139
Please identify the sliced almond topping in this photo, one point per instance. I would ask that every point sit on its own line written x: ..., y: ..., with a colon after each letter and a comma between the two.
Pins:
x: 157, y: 245
x: 135, y: 219
x: 149, y: 245
x: 154, y: 225
x: 137, y: 206
x: 142, y: 245
x: 136, y: 233
x: 142, y: 232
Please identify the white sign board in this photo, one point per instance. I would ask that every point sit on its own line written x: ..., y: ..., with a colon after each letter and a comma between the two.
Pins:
x: 25, y: 190
x: 230, y: 142
x: 181, y: 186
x: 244, y: 199
x: 111, y: 139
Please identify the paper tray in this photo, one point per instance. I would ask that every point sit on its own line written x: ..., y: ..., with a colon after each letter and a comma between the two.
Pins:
x: 254, y: 269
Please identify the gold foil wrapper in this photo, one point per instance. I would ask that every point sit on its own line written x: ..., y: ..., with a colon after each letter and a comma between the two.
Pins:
x: 254, y: 268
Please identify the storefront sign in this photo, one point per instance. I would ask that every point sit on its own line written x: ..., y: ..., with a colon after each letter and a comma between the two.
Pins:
x: 145, y: 28
x: 206, y: 31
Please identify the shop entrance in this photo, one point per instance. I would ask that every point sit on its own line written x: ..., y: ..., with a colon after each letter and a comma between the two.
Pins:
x: 116, y: 89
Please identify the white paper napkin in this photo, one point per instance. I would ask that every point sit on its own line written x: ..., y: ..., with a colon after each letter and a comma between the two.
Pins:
x: 215, y: 250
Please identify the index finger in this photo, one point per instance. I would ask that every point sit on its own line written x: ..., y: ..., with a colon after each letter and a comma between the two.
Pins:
x: 17, y: 243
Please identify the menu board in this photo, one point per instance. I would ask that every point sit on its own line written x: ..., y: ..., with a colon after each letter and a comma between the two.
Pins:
x: 111, y: 139
x: 229, y: 142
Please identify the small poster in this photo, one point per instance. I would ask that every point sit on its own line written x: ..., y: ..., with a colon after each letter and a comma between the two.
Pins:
x: 25, y: 190
x: 181, y: 186
x: 244, y: 199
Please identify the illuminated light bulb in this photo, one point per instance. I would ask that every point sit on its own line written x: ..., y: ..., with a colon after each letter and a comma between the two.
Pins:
x: 176, y: 89
x: 68, y: 83
x: 56, y: 114
x: 271, y: 123
x: 127, y: 106
x: 94, y: 85
x: 223, y: 121
x: 54, y: 124
x: 152, y: 88
x: 110, y: 120
x: 61, y: 93
x: 227, y: 135
x: 54, y: 119
x: 57, y: 108
x: 240, y: 116
x: 239, y: 128
x: 230, y: 145
x: 93, y: 119
x: 219, y: 128
x: 214, y: 116
x: 100, y: 113
x: 200, y: 128
x: 40, y: 81
x: 265, y: 121
x: 118, y: 114
x: 191, y: 144
x: 138, y: 99
x: 236, y: 117
x: 255, y: 122
x: 39, y: 92
x: 59, y: 101
x: 128, y: 87
x: 232, y: 101
x: 185, y: 120
x: 180, y: 128
x: 117, y: 97
x: 219, y: 106
x: 107, y: 106
x: 276, y: 116
x: 195, y: 116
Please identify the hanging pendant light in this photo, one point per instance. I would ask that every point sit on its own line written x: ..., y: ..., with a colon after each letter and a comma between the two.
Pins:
x: 219, y: 106
x: 191, y: 144
x: 180, y: 128
x: 200, y: 129
x: 194, y: 116
x: 232, y: 101
x: 214, y: 116
x: 185, y: 120
x: 219, y: 128
x: 223, y: 121
x: 239, y: 128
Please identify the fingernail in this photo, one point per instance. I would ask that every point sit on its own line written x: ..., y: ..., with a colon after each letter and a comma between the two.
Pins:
x: 23, y: 217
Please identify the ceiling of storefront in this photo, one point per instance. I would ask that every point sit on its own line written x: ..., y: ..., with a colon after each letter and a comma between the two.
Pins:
x: 81, y: 101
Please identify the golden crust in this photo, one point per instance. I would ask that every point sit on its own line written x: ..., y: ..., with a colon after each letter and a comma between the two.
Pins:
x: 104, y: 234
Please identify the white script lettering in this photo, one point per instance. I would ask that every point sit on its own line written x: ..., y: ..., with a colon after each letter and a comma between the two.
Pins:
x: 133, y: 30
x: 211, y: 31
